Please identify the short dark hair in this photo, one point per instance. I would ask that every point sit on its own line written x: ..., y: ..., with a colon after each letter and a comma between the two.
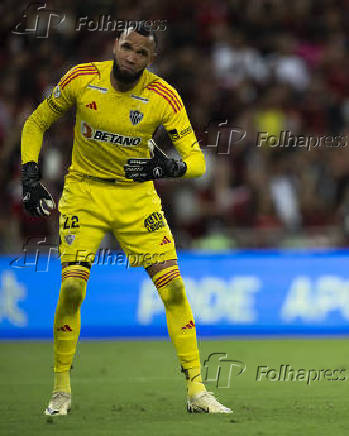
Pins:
x: 142, y: 29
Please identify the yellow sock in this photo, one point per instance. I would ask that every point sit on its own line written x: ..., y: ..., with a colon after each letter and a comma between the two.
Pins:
x: 180, y: 323
x: 61, y: 382
x: 194, y: 381
x: 67, y: 322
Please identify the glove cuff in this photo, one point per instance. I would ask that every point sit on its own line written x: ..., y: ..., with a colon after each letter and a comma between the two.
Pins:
x: 30, y: 174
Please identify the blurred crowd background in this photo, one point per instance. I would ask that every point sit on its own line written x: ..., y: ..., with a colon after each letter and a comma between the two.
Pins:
x: 255, y: 65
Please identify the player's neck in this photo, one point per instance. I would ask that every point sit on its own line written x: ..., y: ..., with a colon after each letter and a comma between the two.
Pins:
x: 120, y: 86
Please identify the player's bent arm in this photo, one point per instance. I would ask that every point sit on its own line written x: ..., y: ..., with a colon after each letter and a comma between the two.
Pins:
x: 63, y: 97
x: 48, y: 111
x: 33, y: 131
x: 178, y: 126
x: 36, y: 198
x: 194, y: 159
x: 196, y: 166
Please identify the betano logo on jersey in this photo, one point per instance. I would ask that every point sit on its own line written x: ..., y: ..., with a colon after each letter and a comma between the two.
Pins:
x: 113, y: 138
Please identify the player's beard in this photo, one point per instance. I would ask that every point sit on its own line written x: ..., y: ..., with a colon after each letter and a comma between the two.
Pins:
x: 125, y: 77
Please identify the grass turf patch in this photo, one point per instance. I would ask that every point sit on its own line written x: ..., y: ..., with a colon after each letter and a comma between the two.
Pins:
x: 136, y: 388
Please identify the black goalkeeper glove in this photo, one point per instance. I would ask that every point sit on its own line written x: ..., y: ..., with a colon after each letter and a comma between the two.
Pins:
x: 156, y: 167
x: 37, y: 200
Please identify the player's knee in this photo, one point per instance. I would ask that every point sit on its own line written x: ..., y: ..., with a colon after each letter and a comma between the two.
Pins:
x: 174, y: 293
x: 73, y: 291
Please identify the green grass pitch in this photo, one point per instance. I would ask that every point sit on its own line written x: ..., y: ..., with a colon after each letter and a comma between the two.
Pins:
x: 136, y: 388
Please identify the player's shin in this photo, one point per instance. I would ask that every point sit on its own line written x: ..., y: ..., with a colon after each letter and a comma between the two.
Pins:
x: 67, y: 323
x: 181, y: 325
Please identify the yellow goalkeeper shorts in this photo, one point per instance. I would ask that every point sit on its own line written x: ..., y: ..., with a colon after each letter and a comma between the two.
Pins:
x: 88, y: 209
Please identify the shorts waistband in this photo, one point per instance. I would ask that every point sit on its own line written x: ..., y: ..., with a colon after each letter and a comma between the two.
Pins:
x: 96, y: 179
x: 111, y: 181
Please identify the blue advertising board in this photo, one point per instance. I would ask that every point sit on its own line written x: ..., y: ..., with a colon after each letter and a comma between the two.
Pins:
x: 235, y: 293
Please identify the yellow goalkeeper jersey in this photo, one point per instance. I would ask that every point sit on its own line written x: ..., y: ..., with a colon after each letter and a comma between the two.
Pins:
x: 112, y: 126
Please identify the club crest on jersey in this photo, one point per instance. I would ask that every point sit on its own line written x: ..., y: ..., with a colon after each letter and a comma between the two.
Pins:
x: 136, y: 117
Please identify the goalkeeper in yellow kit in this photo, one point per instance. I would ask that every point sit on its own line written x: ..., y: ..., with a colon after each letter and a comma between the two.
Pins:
x: 119, y: 104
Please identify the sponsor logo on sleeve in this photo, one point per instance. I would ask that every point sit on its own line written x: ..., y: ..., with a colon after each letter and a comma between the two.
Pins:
x: 175, y: 135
